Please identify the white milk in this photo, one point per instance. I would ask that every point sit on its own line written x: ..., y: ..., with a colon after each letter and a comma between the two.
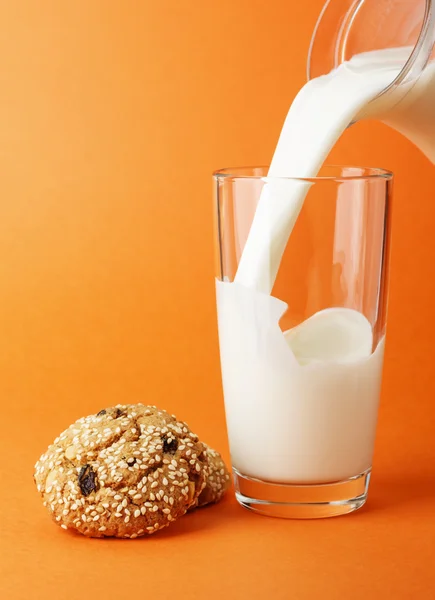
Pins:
x: 287, y: 422
x: 302, y: 405
x: 320, y: 113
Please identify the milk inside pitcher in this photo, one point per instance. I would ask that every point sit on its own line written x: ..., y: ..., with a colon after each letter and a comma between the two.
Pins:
x: 404, y: 28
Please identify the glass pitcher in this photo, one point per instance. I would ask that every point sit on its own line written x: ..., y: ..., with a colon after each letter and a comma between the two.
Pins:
x: 349, y: 27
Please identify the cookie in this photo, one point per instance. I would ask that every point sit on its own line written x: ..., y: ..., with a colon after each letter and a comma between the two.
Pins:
x: 125, y: 472
x: 218, y: 479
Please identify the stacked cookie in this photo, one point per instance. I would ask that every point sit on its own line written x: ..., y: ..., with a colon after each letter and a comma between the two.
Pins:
x: 128, y: 471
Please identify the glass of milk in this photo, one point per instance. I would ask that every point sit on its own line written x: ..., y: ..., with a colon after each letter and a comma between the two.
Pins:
x: 302, y: 366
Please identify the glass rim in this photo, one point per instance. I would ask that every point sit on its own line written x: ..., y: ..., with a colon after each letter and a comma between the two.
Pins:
x: 356, y: 173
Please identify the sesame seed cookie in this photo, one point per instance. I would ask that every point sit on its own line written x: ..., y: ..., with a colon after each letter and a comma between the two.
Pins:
x: 128, y: 471
x: 218, y: 480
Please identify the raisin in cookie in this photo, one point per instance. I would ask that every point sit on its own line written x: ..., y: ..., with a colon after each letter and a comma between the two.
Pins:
x: 218, y: 479
x: 125, y: 472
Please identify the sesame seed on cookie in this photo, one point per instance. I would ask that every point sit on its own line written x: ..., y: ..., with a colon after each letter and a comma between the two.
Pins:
x: 127, y: 471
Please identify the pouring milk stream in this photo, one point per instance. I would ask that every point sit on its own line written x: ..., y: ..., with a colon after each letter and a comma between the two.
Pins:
x: 282, y: 387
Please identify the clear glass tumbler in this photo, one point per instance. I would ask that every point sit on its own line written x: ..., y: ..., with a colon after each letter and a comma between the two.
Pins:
x: 302, y: 366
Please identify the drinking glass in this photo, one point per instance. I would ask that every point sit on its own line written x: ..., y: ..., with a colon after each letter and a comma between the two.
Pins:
x: 302, y: 366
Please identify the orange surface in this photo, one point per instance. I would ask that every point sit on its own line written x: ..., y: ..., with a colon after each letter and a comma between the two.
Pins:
x: 112, y: 116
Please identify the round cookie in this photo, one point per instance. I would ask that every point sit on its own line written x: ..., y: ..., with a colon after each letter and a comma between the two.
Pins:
x: 128, y: 471
x: 218, y: 479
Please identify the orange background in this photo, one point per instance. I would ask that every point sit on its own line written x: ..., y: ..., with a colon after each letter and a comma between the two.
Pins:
x: 112, y: 116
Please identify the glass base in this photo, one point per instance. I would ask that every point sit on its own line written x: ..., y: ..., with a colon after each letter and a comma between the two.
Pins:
x: 307, y: 501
